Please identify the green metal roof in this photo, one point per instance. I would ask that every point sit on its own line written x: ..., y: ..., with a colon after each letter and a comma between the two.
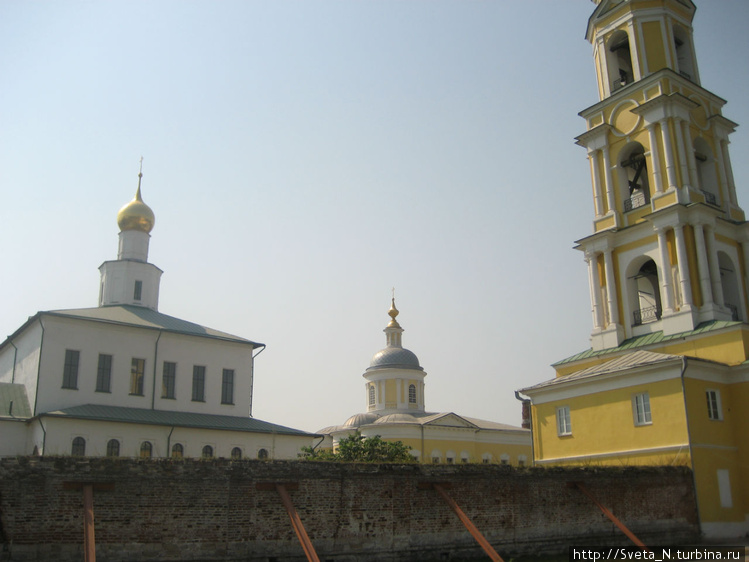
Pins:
x: 15, y: 395
x: 649, y: 339
x: 166, y: 418
x: 631, y: 360
x: 146, y: 318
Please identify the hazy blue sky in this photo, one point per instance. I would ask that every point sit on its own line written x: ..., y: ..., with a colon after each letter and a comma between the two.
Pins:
x: 303, y: 157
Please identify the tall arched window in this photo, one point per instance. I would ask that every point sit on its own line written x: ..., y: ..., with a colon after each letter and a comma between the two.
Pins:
x: 207, y: 452
x: 619, y: 61
x: 262, y: 454
x: 146, y: 450
x: 371, y: 392
x: 113, y: 448
x: 633, y: 176
x: 236, y: 453
x: 178, y: 451
x: 79, y: 447
x: 412, y: 394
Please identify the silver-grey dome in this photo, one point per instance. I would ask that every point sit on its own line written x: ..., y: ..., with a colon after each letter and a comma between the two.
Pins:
x: 358, y: 420
x: 395, y: 357
x: 397, y: 418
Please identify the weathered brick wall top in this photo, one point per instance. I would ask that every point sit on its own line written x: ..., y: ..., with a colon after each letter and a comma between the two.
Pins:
x: 198, y: 510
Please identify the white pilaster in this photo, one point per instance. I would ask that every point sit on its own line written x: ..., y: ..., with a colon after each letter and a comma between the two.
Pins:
x: 667, y: 293
x: 611, y: 293
x: 596, y: 176
x: 668, y: 153
x: 655, y: 158
x: 610, y: 197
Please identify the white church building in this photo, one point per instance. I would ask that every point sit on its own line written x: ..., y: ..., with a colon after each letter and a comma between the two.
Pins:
x: 123, y: 379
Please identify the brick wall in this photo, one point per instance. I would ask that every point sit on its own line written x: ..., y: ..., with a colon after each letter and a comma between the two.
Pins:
x: 212, y: 510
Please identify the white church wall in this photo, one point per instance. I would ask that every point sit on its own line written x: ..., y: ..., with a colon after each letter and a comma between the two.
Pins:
x: 90, y: 339
x: 60, y: 433
x: 14, y: 436
x: 25, y: 355
x: 124, y: 343
x: 215, y: 356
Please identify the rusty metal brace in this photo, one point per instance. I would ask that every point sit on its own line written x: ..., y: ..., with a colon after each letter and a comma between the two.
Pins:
x: 622, y: 527
x: 89, y: 539
x: 296, y: 522
x: 475, y: 533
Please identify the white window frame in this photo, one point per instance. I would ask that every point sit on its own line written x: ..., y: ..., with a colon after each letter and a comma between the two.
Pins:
x: 717, y: 413
x: 564, y: 421
x: 724, y: 488
x: 641, y: 412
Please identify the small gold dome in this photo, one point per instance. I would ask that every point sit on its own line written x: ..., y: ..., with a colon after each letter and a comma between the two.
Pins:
x: 136, y: 215
x: 393, y: 312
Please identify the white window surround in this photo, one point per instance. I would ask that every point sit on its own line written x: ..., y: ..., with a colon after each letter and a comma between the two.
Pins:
x: 564, y: 425
x: 714, y: 406
x: 724, y: 488
x: 641, y: 409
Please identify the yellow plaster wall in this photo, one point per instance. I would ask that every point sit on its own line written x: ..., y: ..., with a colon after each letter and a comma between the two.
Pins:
x: 605, y: 223
x: 390, y: 393
x: 730, y: 346
x: 603, y: 422
x: 665, y: 201
x: 740, y: 420
x: 727, y: 347
x: 702, y: 429
x: 706, y: 462
x: 475, y: 450
x: 653, y: 37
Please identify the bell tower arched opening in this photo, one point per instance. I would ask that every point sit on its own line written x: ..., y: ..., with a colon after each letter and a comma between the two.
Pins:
x: 634, y: 177
x: 684, y: 56
x: 706, y: 173
x: 645, y: 294
x: 730, y: 285
x: 619, y: 61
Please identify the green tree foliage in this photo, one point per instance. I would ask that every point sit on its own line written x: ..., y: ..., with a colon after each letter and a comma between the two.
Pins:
x: 357, y: 448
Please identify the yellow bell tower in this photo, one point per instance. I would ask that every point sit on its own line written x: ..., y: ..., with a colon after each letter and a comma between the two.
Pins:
x: 670, y: 245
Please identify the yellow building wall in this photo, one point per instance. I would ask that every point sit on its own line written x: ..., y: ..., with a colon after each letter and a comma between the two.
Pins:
x: 603, y: 423
x: 656, y: 56
x: 390, y: 393
x: 717, y: 444
x: 475, y: 450
x: 706, y: 462
x: 740, y: 419
x: 730, y: 347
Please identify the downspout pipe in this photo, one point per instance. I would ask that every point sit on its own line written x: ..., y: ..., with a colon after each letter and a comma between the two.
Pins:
x: 530, y: 423
x: 316, y: 445
x: 39, y: 369
x: 169, y: 443
x: 423, y: 452
x: 689, y: 437
x: 15, y: 358
x: 44, y: 437
x: 155, y: 358
x: 252, y: 374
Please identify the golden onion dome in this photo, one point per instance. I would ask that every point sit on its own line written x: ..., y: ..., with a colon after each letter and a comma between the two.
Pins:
x: 393, y: 312
x: 136, y: 215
